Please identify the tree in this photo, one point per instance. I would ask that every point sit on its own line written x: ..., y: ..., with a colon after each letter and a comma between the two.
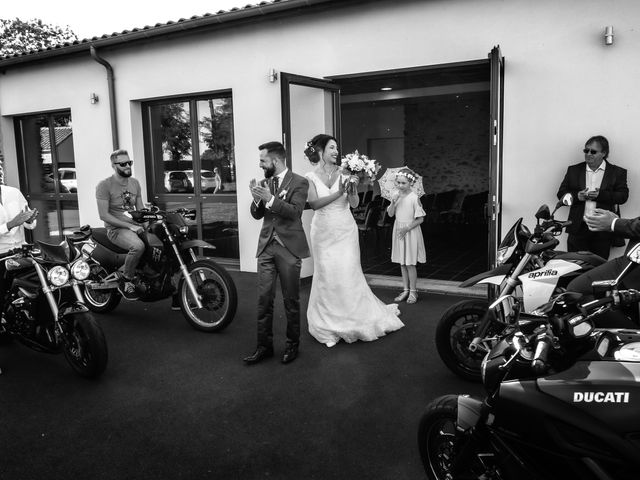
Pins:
x: 17, y: 36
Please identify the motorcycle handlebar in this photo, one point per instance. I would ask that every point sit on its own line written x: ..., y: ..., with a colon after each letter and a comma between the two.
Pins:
x: 480, y: 333
x: 539, y: 364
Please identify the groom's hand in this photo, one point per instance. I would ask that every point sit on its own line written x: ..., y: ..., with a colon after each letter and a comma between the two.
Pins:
x: 252, y: 184
x: 261, y: 193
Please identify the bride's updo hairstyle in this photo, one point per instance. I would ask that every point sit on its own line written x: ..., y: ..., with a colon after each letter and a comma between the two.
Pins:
x: 316, y: 145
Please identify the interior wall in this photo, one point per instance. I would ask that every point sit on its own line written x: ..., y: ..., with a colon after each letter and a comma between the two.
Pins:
x: 447, y: 142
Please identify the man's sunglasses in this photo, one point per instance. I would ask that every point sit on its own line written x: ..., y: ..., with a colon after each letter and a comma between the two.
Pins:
x: 125, y: 164
x: 591, y: 151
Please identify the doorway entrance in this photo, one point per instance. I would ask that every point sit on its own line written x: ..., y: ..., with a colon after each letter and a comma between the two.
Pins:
x: 444, y: 122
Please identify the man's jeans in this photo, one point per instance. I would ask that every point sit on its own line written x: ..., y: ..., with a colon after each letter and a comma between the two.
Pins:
x: 125, y: 238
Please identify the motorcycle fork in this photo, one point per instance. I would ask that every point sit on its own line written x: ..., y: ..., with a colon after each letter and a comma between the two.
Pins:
x: 183, y: 266
x: 48, y: 293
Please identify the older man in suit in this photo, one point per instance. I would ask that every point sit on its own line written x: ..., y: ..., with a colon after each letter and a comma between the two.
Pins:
x: 279, y: 201
x: 594, y: 183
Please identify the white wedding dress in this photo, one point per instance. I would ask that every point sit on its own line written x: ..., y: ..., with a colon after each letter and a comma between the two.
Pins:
x: 341, y: 304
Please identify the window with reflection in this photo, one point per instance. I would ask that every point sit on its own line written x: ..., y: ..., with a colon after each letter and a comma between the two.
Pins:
x: 189, y: 149
x: 48, y: 172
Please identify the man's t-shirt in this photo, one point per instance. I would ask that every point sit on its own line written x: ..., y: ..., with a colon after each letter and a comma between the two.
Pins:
x: 121, y: 198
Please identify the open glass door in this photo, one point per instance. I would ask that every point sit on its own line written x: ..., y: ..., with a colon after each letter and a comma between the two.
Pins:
x: 495, y: 151
x: 309, y: 106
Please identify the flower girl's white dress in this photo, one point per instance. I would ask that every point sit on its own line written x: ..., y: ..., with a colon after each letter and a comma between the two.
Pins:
x: 341, y: 304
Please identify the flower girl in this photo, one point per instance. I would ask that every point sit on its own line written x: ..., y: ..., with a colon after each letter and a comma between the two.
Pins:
x: 407, y: 245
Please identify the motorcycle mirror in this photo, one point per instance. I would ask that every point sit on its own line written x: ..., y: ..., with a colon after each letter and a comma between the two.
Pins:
x: 634, y: 253
x: 543, y: 213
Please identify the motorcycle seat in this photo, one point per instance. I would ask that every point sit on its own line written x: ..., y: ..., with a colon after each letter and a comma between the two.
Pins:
x: 585, y: 256
x: 100, y: 236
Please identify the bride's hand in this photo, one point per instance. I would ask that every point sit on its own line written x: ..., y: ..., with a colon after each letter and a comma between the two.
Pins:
x: 343, y: 186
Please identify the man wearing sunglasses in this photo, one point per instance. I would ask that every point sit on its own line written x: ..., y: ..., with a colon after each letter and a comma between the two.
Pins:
x: 117, y: 195
x: 594, y: 183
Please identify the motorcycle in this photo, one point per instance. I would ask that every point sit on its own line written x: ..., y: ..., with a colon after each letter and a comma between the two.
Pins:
x: 204, y: 290
x: 43, y: 307
x: 526, y: 265
x: 562, y: 398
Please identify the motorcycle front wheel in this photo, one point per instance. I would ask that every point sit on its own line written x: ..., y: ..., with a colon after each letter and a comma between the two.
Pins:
x: 85, y: 347
x: 441, y: 445
x: 218, y: 297
x: 100, y: 301
x: 454, y: 333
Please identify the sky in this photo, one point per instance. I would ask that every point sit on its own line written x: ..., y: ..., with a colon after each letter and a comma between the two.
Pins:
x: 88, y: 19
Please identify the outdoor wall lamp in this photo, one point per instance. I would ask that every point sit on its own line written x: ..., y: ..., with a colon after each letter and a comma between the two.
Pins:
x: 608, y: 35
x: 93, y: 98
x: 273, y: 75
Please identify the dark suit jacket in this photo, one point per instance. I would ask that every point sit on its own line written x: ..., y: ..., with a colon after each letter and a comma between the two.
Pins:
x: 284, y: 216
x: 613, y: 190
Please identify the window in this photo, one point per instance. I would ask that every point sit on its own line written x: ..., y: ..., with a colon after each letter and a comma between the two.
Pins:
x: 189, y: 149
x: 47, y: 172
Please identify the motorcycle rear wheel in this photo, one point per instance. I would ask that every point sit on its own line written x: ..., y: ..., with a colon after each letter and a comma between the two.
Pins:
x: 85, y: 347
x: 454, y: 333
x: 440, y: 444
x: 219, y: 297
x: 100, y: 301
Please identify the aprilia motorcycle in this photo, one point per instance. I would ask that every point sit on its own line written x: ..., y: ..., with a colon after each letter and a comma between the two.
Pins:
x: 526, y: 266
x: 43, y: 307
x: 205, y: 291
x: 562, y: 399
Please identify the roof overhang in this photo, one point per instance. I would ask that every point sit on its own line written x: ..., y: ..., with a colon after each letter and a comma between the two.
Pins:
x: 273, y: 9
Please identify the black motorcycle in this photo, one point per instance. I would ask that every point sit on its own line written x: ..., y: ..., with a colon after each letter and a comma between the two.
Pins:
x: 527, y: 266
x: 43, y: 307
x: 562, y: 398
x: 203, y: 289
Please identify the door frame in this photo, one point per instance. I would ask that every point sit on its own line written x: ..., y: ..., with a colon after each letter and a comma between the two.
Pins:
x: 288, y: 79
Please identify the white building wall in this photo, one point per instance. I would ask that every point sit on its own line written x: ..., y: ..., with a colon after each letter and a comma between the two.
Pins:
x: 562, y: 85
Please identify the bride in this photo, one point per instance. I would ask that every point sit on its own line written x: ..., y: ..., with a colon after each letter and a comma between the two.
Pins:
x: 341, y: 304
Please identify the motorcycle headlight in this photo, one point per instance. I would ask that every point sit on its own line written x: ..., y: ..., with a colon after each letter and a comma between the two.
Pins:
x: 80, y: 270
x: 184, y: 229
x: 58, y: 276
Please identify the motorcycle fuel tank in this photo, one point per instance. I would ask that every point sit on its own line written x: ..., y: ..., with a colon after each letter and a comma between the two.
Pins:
x: 606, y: 390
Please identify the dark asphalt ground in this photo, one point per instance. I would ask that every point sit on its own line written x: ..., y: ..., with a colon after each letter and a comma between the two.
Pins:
x: 175, y: 403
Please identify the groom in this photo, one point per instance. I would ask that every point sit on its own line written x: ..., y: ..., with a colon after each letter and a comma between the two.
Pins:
x: 279, y: 201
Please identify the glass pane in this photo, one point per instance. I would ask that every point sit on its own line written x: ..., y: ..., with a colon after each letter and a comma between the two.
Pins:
x: 47, y: 140
x: 220, y: 228
x: 48, y: 228
x: 63, y: 133
x: 36, y: 142
x: 171, y: 147
x: 70, y: 217
x: 217, y: 160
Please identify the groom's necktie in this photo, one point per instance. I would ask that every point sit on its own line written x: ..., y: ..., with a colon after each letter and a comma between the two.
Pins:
x: 274, y: 186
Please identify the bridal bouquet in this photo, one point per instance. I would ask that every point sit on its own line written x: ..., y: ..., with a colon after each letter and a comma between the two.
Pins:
x: 361, y: 166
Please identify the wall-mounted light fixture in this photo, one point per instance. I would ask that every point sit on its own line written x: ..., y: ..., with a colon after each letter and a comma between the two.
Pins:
x: 273, y: 75
x: 386, y: 89
x: 608, y: 35
x: 93, y: 98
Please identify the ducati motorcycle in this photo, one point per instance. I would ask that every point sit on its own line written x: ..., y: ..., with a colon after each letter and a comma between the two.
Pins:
x: 43, y: 307
x: 204, y: 290
x: 528, y: 267
x: 562, y: 399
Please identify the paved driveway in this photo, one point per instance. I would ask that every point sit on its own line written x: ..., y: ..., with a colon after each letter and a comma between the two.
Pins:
x: 175, y: 403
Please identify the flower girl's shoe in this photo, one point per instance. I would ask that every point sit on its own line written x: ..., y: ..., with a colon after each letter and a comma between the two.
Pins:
x: 402, y: 297
x: 413, y: 296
